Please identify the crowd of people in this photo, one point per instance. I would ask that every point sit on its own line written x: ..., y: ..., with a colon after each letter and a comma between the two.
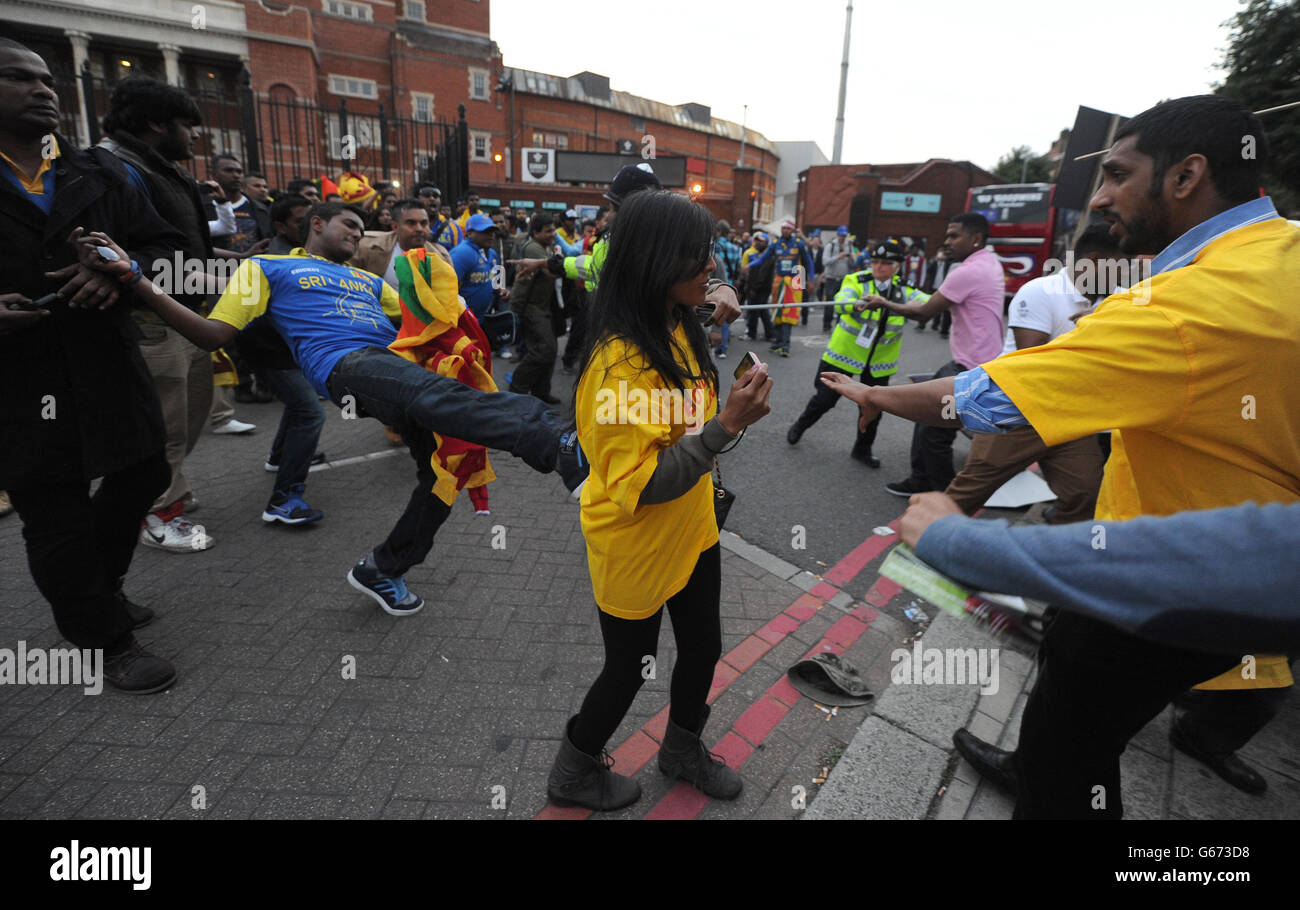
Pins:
x: 123, y: 276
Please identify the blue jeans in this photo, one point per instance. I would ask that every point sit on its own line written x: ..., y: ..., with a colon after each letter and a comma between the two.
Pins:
x: 783, y: 336
x: 725, y: 329
x: 374, y: 382
x: 300, y: 426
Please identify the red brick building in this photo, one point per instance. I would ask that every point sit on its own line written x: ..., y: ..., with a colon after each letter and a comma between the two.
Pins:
x: 402, y: 68
x: 888, y: 200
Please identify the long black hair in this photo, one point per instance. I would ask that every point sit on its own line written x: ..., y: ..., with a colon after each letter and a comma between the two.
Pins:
x: 658, y: 239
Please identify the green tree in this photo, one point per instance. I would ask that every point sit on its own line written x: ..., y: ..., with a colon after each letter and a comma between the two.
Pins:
x: 1263, y: 70
x: 1021, y: 165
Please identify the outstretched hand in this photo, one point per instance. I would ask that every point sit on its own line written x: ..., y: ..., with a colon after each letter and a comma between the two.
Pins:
x: 854, y: 391
x: 526, y: 267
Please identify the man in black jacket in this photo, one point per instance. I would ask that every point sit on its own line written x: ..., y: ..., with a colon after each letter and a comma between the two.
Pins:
x: 150, y: 127
x: 78, y: 402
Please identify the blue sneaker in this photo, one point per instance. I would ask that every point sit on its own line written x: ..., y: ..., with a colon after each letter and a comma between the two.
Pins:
x: 571, y: 464
x: 290, y: 507
x: 389, y: 592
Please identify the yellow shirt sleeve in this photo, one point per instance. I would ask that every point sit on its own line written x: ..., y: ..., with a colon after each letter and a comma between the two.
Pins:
x: 615, y: 426
x: 1123, y: 367
x: 390, y: 301
x: 245, y: 296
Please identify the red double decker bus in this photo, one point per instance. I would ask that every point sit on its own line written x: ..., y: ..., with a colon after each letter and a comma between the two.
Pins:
x: 1023, y: 225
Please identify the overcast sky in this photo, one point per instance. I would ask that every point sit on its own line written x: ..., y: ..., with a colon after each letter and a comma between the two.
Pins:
x: 927, y: 78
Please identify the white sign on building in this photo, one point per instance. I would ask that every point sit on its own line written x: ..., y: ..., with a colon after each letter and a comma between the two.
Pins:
x: 537, y: 165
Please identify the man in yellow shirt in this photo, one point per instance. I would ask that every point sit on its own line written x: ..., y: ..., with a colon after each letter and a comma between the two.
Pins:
x: 1195, y: 369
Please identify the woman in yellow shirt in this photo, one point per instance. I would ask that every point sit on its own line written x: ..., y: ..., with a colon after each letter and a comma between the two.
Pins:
x: 645, y: 407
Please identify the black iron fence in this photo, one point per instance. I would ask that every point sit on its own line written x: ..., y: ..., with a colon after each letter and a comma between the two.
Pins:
x: 286, y: 137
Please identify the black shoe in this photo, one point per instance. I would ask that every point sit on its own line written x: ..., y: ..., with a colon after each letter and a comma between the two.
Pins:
x: 567, y: 369
x: 1229, y: 767
x: 549, y: 399
x: 579, y: 779
x: 906, y: 488
x: 571, y: 464
x: 867, y: 459
x: 140, y: 616
x: 683, y: 755
x: 997, y: 766
x: 795, y: 433
x: 138, y: 672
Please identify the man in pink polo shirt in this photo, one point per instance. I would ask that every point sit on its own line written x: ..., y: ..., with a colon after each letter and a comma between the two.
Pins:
x: 974, y: 292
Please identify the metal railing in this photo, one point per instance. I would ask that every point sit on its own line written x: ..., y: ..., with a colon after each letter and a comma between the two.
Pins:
x: 286, y: 137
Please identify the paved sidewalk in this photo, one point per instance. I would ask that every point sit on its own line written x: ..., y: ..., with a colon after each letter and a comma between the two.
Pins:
x: 456, y: 712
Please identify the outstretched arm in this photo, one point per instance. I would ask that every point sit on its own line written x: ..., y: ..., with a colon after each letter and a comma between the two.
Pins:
x: 208, y: 334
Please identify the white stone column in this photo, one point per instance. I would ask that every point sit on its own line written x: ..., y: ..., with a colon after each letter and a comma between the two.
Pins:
x: 80, y: 42
x: 171, y: 62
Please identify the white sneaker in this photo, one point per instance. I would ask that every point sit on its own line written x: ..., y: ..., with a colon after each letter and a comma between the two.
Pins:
x: 235, y: 426
x: 175, y: 536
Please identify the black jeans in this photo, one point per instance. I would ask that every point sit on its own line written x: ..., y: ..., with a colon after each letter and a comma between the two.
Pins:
x: 375, y: 382
x: 697, y: 630
x: 300, y: 426
x: 1096, y: 688
x: 79, y: 547
x: 412, y: 537
x: 932, y: 446
x: 824, y: 398
x: 420, y: 403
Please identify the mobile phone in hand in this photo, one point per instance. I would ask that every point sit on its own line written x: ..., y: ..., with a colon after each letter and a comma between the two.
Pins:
x: 746, y: 363
x: 40, y: 303
x: 704, y: 312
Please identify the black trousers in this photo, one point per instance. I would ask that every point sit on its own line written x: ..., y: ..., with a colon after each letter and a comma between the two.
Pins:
x: 533, y: 374
x: 824, y: 398
x: 829, y: 290
x: 420, y: 403
x: 1096, y: 688
x: 932, y: 446
x: 79, y: 547
x: 751, y: 322
x: 412, y: 537
x: 577, y: 327
x: 1221, y: 721
x: 697, y: 630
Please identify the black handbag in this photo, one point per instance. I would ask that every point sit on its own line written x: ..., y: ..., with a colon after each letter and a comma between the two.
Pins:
x: 501, y: 328
x: 722, y: 497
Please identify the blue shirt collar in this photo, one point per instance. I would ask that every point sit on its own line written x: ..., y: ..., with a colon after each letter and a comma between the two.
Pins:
x: 1186, y: 248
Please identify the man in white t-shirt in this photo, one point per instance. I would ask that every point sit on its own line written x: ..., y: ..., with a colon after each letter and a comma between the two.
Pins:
x: 1042, y: 310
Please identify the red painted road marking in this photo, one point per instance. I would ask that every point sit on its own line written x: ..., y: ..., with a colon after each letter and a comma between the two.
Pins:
x: 848, y: 568
x: 755, y: 725
x: 684, y: 801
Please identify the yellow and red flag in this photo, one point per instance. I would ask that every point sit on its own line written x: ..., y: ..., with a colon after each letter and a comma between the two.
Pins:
x: 440, y: 334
